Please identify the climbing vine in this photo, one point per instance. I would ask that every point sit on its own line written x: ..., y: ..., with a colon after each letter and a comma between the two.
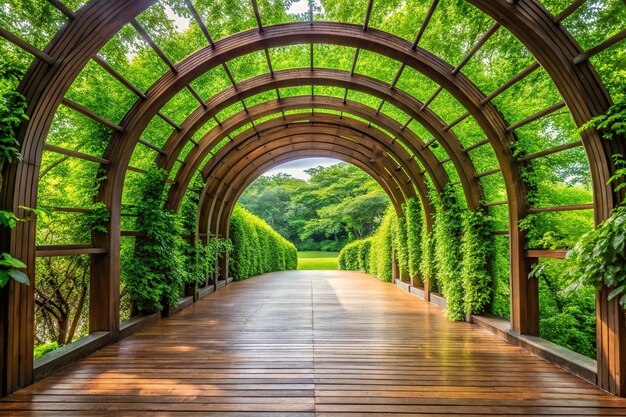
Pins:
x: 447, y: 230
x: 477, y: 248
x: 414, y: 225
x: 12, y: 114
x: 155, y: 278
x: 599, y: 258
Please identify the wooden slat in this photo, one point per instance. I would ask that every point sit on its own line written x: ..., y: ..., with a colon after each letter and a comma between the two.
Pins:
x: 257, y: 15
x: 63, y: 8
x: 551, y: 151
x: 67, y: 250
x: 546, y: 253
x: 517, y: 78
x: 490, y: 172
x: 476, y: 145
x: 108, y: 68
x: 572, y: 207
x: 477, y: 47
x: 152, y: 146
x: 93, y: 116
x: 14, y: 39
x: 142, y: 32
x: 368, y: 13
x: 75, y: 154
x: 422, y: 29
x: 569, y: 10
x: 536, y: 116
x: 618, y: 37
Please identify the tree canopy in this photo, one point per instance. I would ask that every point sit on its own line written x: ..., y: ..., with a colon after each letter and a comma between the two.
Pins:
x: 337, y: 204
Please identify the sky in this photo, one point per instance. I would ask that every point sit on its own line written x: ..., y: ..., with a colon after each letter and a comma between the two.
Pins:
x: 296, y: 168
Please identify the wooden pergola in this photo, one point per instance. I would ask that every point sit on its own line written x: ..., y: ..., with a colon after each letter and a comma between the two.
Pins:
x: 390, y: 152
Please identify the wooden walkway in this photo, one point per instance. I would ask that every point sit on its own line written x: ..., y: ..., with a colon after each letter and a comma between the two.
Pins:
x: 312, y: 343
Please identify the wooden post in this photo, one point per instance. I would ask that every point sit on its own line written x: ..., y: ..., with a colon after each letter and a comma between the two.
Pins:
x: 611, y: 344
x: 104, y: 290
x: 395, y: 270
x: 524, y: 291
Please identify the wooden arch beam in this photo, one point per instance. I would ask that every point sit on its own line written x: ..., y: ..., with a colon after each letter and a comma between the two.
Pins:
x: 343, y: 79
x: 227, y: 159
x: 251, y: 141
x: 205, y: 215
x: 216, y: 135
x: 226, y: 180
x: 304, y: 122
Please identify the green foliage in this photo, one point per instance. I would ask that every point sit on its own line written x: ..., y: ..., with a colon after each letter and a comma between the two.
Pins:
x: 477, y: 249
x: 41, y: 350
x: 400, y: 237
x: 156, y: 276
x: 8, y: 219
x: 336, y: 205
x: 428, y: 266
x: 12, y: 114
x: 98, y: 219
x: 600, y: 256
x: 382, y: 247
x: 10, y: 269
x: 414, y: 225
x: 447, y: 233
x: 611, y: 124
x: 257, y: 248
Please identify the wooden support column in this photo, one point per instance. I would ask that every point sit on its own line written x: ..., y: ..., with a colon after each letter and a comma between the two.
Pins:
x: 104, y: 290
x: 611, y: 343
x: 395, y: 268
x: 524, y: 294
x: 222, y: 268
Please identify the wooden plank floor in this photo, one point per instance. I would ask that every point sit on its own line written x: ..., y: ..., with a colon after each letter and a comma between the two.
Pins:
x: 312, y: 343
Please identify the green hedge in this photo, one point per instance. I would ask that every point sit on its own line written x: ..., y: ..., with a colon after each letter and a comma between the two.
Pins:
x: 257, y: 248
x: 455, y: 257
x: 162, y: 261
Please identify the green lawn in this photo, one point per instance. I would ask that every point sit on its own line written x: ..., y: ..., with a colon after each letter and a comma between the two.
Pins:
x: 318, y: 260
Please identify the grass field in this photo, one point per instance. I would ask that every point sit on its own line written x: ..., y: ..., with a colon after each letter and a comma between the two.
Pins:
x: 318, y: 260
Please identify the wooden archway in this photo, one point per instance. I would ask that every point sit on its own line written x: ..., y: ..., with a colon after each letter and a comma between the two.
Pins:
x: 54, y: 70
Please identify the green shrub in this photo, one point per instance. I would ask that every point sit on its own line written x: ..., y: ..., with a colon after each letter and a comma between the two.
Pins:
x: 41, y: 350
x: 257, y: 248
x: 156, y: 276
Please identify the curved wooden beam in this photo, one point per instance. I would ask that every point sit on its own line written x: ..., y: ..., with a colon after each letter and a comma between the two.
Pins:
x: 217, y: 134
x: 343, y: 79
x: 316, y: 123
x: 226, y: 181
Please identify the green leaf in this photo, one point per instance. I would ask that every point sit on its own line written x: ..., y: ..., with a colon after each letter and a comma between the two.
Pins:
x: 11, y: 261
x: 19, y: 276
x: 4, y: 278
x: 617, y: 291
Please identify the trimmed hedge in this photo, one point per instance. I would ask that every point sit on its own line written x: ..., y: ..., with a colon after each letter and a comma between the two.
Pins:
x: 455, y: 257
x: 257, y: 248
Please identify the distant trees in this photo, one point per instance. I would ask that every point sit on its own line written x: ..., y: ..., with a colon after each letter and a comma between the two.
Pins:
x: 336, y: 205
